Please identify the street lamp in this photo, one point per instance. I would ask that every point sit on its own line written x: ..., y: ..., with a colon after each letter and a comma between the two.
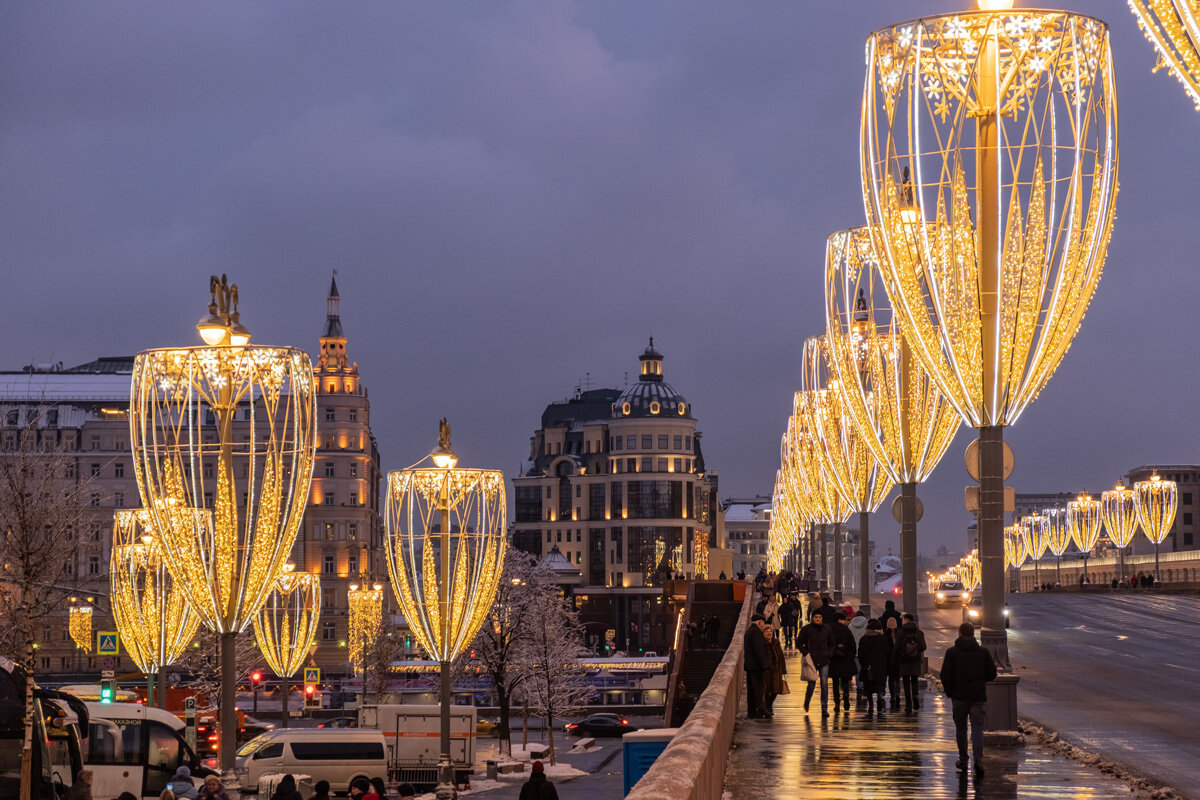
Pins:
x: 226, y: 499
x: 1173, y: 26
x: 846, y: 454
x: 1085, y: 518
x: 1155, y: 501
x: 286, y: 627
x: 1058, y: 537
x: 989, y: 168
x: 150, y: 609
x: 899, y: 412
x: 445, y: 548
x: 1119, y: 509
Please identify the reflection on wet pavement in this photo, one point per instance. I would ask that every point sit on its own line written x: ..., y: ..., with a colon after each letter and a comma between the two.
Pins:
x: 850, y: 755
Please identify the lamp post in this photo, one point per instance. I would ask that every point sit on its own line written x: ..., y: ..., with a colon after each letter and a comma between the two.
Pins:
x: 1173, y: 26
x: 1085, y: 517
x: 225, y: 499
x: 898, y: 411
x: 150, y: 610
x: 286, y: 627
x: 1155, y: 501
x: 1119, y: 509
x: 445, y: 548
x: 989, y: 167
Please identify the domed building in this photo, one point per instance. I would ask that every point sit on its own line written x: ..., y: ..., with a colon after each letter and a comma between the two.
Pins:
x: 616, y: 481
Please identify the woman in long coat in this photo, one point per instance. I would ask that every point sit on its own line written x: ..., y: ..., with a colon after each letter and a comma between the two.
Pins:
x: 777, y: 670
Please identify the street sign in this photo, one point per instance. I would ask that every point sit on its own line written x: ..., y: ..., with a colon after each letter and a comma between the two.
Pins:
x: 296, y: 713
x: 920, y: 507
x: 189, y: 704
x: 107, y: 643
x: 312, y: 674
x: 108, y: 662
x: 107, y: 675
x: 971, y: 460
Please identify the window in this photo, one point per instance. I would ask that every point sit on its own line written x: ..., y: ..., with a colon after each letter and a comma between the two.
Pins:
x: 529, y: 503
x: 354, y: 498
x: 94, y: 531
x: 618, y: 442
x: 330, y: 416
x: 578, y: 490
x: 678, y: 442
x: 93, y: 565
x: 11, y: 417
x: 95, y: 470
x: 596, y: 501
x: 352, y: 563
x: 324, y: 750
x: 208, y: 500
x: 329, y: 469
x: 354, y: 415
x: 1187, y: 518
x: 119, y: 499
x: 69, y: 472
x: 208, y: 469
x: 353, y: 469
x: 353, y: 534
x: 559, y: 534
x: 95, y: 500
x: 329, y: 498
x: 662, y: 441
x: 647, y: 441
x: 95, y: 442
x: 272, y: 750
x: 548, y: 537
x: 329, y: 531
x: 547, y: 492
x: 1187, y: 498
x: 662, y: 465
x: 687, y: 443
x: 579, y: 557
x: 119, y: 470
x: 655, y: 407
x: 647, y: 464
x: 329, y: 564
x: 631, y: 442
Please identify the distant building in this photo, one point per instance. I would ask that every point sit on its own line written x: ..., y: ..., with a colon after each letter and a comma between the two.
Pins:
x: 1034, y: 503
x: 746, y: 523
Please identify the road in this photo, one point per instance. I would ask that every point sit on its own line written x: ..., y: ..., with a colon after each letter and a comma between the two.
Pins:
x: 1116, y: 673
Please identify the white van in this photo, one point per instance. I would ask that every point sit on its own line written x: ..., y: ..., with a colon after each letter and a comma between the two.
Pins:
x: 337, y: 755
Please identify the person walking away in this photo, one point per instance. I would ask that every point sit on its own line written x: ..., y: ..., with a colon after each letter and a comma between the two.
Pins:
x: 81, y: 789
x: 827, y: 609
x: 966, y: 671
x: 213, y: 789
x: 778, y: 668
x: 407, y: 791
x: 789, y: 613
x: 910, y: 649
x: 858, y: 627
x: 181, y: 785
x: 891, y: 632
x: 874, y: 660
x: 537, y: 787
x: 814, y: 602
x: 286, y: 790
x: 322, y: 791
x: 756, y: 660
x: 842, y: 664
x: 714, y: 630
x: 816, y: 641
x: 889, y: 612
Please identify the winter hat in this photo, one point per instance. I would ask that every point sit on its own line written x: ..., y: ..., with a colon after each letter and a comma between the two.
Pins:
x: 538, y: 767
x: 873, y: 625
x: 321, y: 787
x: 183, y: 774
x: 758, y: 618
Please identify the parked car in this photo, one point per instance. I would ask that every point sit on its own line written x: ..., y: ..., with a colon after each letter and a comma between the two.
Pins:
x: 599, y: 725
x: 485, y: 727
x: 950, y: 593
x: 340, y: 722
x: 973, y: 612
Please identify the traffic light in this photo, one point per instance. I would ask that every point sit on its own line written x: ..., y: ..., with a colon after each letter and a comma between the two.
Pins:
x: 311, y: 698
x: 106, y: 690
x: 256, y: 680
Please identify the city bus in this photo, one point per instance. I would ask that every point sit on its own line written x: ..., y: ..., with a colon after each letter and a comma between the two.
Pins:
x: 57, y: 757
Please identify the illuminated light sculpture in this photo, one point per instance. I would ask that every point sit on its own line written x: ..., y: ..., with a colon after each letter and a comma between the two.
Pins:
x: 825, y: 504
x: 226, y: 499
x: 1034, y: 532
x: 1155, y: 501
x: 79, y: 623
x: 898, y: 411
x: 700, y: 553
x: 1173, y: 26
x: 445, y: 549
x: 1014, y: 547
x: 1118, y: 506
x: 150, y: 609
x: 366, y: 615
x: 1058, y: 537
x: 847, y: 456
x: 796, y: 502
x: 286, y: 626
x: 1085, y: 519
x: 989, y: 170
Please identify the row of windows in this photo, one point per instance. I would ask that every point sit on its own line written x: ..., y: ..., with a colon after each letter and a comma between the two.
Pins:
x: 331, y: 414
x: 331, y: 469
x: 630, y: 442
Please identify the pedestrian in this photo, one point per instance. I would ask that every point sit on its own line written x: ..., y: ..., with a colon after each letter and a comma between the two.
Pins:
x: 874, y: 658
x: 891, y: 632
x: 721, y: 577
x: 81, y: 789
x: 889, y: 612
x: 689, y: 633
x: 322, y: 791
x: 815, y: 640
x: 789, y: 614
x: 910, y: 648
x: 380, y: 788
x: 166, y: 794
x: 814, y: 602
x: 775, y: 682
x: 537, y: 787
x: 827, y: 609
x: 771, y: 612
x: 842, y: 664
x: 756, y: 660
x: 966, y: 671
x: 127, y: 796
x: 286, y: 789
x: 181, y: 785
x: 858, y: 627
x: 407, y: 790
x: 741, y: 576
x: 213, y: 789
x: 714, y: 630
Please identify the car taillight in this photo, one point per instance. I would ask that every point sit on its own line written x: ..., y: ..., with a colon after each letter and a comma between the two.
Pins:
x: 624, y: 722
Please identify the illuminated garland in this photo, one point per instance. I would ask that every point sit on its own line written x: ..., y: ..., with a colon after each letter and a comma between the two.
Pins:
x: 366, y: 615
x: 1155, y: 502
x: 79, y: 624
x: 286, y: 626
x: 1058, y: 535
x: 1085, y: 518
x: 1119, y: 508
x: 1173, y: 26
x: 1035, y: 531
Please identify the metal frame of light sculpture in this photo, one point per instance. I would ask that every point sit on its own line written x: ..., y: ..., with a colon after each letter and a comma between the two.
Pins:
x: 1085, y: 520
x: 1156, y: 501
x: 1173, y: 27
x: 79, y: 623
x: 848, y: 455
x: 896, y: 408
x: 1119, y: 508
x: 286, y: 626
x: 1058, y: 537
x: 150, y: 608
x: 226, y: 558
x: 798, y: 497
x: 447, y: 594
x: 1033, y: 530
x: 366, y: 615
x: 825, y: 501
x: 1005, y: 118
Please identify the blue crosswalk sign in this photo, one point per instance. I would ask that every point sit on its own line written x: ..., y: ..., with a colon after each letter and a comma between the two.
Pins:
x: 107, y: 643
x: 312, y: 675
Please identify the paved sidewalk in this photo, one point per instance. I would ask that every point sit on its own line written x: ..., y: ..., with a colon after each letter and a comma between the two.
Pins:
x: 850, y: 756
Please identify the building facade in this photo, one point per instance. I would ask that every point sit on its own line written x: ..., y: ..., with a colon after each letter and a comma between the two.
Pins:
x: 746, y: 522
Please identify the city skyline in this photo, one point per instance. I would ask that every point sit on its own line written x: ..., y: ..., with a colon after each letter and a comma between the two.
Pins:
x: 584, y: 177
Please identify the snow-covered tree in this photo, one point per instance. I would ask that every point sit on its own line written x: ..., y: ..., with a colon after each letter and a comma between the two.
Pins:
x: 556, y: 684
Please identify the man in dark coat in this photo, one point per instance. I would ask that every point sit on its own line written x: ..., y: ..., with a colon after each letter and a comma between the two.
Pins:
x: 537, y: 787
x: 889, y: 610
x: 874, y: 658
x: 842, y: 666
x: 789, y: 615
x: 910, y: 653
x: 756, y: 660
x: 827, y: 609
x: 816, y: 640
x: 966, y: 671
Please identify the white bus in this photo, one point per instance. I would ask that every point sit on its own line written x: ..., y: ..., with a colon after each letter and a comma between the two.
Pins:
x: 56, y: 752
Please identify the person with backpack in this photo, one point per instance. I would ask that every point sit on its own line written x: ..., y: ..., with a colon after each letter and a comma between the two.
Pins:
x: 910, y: 650
x: 966, y: 671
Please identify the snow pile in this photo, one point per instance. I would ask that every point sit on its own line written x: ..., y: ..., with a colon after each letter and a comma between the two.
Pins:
x: 1145, y: 787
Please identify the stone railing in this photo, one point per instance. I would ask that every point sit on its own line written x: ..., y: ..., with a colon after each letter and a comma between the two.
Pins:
x: 693, y: 765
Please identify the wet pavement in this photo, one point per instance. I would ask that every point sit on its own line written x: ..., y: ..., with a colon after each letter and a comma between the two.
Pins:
x: 851, y: 756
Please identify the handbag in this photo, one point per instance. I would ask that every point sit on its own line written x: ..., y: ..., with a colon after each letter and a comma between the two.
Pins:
x: 808, y: 670
x: 785, y: 689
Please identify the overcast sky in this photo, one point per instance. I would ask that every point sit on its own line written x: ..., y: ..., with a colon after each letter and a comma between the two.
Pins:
x: 518, y: 194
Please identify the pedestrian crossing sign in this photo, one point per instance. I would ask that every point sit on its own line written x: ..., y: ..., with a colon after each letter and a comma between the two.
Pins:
x: 107, y: 643
x: 312, y: 674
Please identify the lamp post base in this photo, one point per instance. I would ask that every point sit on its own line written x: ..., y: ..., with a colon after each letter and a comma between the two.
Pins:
x: 446, y: 790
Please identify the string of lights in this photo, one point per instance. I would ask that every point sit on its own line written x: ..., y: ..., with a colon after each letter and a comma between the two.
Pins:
x: 1173, y: 27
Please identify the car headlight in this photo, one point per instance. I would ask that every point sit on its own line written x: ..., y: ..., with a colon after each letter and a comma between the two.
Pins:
x: 941, y: 596
x: 972, y: 613
x: 966, y: 597
x: 1006, y: 612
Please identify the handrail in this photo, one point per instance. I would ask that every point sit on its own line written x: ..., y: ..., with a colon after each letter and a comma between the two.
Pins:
x: 692, y: 767
x: 675, y: 668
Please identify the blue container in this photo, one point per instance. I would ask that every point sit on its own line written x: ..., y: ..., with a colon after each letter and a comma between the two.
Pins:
x: 640, y: 749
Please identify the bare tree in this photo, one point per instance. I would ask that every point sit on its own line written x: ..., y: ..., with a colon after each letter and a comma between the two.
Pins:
x: 381, y: 647
x: 556, y: 684
x: 203, y: 663
x: 42, y: 503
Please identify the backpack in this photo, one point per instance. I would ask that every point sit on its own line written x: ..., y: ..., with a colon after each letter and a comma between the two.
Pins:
x: 912, y: 647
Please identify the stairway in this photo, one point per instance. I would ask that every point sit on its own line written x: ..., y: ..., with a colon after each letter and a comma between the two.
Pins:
x: 694, y: 667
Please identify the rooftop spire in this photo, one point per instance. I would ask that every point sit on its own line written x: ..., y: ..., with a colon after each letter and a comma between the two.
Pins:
x: 333, y: 321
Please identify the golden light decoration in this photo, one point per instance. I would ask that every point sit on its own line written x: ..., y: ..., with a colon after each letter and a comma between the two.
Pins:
x: 823, y: 503
x: 1119, y: 509
x: 149, y: 607
x: 1014, y: 547
x: 1156, y: 501
x: 79, y: 623
x: 700, y: 553
x: 1085, y: 519
x: 366, y: 615
x: 1173, y: 26
x: 1035, y: 531
x: 1007, y: 117
x: 286, y: 626
x: 229, y: 432
x: 445, y: 548
x: 1058, y: 535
